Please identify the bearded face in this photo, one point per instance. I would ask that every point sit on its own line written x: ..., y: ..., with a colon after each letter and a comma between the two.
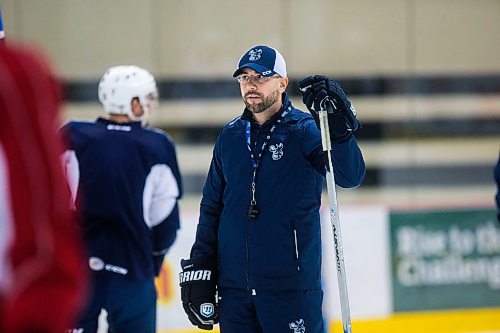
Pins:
x: 251, y: 100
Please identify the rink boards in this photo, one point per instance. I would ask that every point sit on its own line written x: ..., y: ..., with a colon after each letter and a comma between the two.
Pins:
x: 465, y: 321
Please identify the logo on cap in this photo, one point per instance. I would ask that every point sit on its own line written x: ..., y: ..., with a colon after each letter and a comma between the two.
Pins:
x: 254, y: 54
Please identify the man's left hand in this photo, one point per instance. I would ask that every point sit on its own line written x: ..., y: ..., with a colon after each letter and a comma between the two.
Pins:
x: 317, y: 90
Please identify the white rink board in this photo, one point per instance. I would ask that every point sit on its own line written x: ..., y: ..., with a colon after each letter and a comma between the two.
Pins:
x: 365, y: 238
x: 170, y: 313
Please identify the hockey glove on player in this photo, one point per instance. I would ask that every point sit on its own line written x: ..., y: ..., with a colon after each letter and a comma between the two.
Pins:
x: 198, y: 281
x: 316, y: 90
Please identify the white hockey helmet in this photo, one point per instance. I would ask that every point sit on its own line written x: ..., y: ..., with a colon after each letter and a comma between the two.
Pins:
x: 120, y: 84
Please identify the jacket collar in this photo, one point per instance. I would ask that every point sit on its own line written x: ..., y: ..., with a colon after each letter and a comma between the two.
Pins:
x: 133, y: 124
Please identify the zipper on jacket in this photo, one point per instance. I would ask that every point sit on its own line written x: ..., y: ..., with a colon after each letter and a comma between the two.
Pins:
x: 253, y: 146
x: 247, y: 254
x: 296, y: 248
x: 247, y: 227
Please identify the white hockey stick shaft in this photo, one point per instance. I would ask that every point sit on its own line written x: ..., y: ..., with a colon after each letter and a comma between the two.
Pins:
x: 334, y: 217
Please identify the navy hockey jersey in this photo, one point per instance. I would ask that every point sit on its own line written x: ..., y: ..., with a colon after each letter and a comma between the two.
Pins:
x: 125, y: 183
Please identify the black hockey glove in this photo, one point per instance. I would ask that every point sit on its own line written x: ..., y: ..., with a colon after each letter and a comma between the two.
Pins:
x: 198, y: 281
x: 316, y: 90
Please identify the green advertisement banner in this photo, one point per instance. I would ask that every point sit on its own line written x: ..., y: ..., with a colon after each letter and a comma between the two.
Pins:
x: 445, y: 260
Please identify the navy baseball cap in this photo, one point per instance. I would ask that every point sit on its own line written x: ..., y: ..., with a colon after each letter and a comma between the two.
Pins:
x: 265, y: 60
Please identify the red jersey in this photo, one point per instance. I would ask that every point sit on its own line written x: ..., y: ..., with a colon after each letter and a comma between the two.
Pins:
x: 41, y: 265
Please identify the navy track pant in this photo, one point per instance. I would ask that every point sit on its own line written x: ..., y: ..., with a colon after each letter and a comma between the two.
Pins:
x: 289, y: 311
x: 131, y: 306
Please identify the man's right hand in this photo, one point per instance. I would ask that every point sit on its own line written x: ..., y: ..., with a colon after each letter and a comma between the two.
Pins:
x: 198, y: 281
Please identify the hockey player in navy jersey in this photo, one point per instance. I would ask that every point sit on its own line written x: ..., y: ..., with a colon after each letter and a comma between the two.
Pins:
x: 125, y: 183
x: 255, y: 265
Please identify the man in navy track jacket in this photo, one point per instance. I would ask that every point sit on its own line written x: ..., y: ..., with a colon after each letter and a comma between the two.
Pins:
x: 255, y: 265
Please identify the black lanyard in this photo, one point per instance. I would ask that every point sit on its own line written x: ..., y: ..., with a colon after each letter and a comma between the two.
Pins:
x: 253, y: 211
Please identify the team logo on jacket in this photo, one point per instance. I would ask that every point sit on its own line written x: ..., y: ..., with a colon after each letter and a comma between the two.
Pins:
x: 297, y: 326
x: 277, y: 151
x: 254, y: 54
x: 207, y: 309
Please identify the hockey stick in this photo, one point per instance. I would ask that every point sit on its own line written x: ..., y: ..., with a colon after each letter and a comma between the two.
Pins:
x: 334, y: 217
